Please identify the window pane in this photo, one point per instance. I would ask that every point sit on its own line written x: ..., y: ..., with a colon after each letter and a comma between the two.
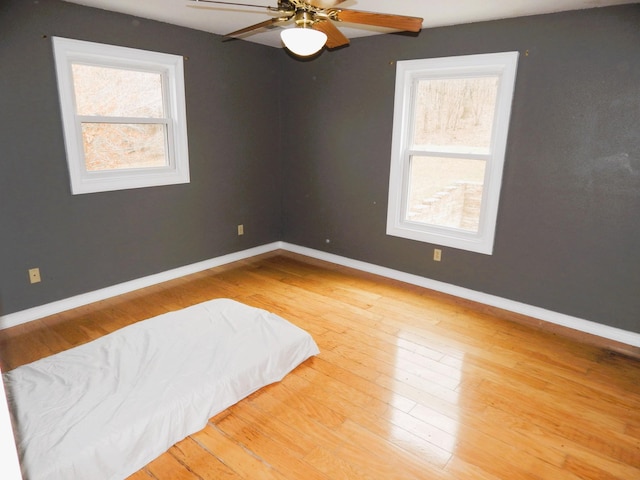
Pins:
x: 454, y: 113
x: 118, y: 146
x: 113, y: 92
x: 445, y: 192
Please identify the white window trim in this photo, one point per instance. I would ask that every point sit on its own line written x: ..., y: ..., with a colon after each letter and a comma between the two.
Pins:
x: 67, y: 52
x: 503, y: 65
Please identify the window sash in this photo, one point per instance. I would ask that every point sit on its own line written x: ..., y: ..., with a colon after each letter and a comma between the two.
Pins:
x: 122, y: 120
x: 408, y: 74
x: 123, y: 150
x: 170, y: 69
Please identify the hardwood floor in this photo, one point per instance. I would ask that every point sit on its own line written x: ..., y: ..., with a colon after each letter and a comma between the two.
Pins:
x: 409, y: 384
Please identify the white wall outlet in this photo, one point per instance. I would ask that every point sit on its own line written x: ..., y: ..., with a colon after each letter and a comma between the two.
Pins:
x: 437, y: 254
x: 34, y: 275
x: 240, y: 229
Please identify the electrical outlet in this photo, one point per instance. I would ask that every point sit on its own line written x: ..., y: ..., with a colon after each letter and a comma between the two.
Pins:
x: 437, y: 254
x: 240, y: 229
x: 34, y: 275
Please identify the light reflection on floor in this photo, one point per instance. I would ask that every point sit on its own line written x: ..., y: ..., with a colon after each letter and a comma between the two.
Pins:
x: 424, y: 417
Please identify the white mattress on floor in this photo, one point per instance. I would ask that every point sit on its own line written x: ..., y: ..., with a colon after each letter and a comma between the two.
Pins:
x: 105, y: 409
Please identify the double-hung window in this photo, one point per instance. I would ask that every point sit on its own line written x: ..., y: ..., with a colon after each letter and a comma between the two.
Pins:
x: 123, y: 114
x: 451, y: 118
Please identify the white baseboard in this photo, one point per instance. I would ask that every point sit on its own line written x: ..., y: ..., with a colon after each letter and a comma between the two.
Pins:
x: 42, y: 311
x: 581, y: 325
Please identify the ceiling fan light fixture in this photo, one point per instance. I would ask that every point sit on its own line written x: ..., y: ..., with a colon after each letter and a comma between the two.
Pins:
x: 303, y: 41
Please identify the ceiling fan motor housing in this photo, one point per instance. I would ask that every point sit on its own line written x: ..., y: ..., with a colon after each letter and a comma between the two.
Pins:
x: 304, y: 18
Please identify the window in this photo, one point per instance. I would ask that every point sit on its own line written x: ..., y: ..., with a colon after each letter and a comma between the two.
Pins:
x: 450, y: 125
x: 123, y: 114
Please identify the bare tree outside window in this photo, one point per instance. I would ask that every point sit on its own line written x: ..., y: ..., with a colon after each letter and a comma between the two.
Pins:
x: 455, y: 112
x: 122, y: 117
x: 450, y: 116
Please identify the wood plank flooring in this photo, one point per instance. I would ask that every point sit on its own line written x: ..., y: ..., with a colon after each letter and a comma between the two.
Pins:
x: 409, y: 384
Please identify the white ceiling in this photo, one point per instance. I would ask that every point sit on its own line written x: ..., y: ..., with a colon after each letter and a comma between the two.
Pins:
x: 222, y: 19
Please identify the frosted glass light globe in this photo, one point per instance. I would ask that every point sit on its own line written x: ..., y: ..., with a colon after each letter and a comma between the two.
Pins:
x: 303, y: 41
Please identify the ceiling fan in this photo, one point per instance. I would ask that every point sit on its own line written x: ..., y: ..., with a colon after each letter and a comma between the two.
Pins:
x: 314, y: 23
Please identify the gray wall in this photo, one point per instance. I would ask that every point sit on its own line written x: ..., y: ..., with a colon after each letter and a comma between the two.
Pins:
x: 568, y: 232
x: 568, y: 229
x: 85, y: 242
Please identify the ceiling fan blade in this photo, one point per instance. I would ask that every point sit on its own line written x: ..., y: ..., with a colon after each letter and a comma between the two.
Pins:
x: 229, y: 3
x: 399, y: 22
x: 324, y: 3
x: 335, y: 38
x: 266, y: 23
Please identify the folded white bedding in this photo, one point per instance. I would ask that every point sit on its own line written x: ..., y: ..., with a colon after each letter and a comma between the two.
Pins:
x: 105, y: 409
